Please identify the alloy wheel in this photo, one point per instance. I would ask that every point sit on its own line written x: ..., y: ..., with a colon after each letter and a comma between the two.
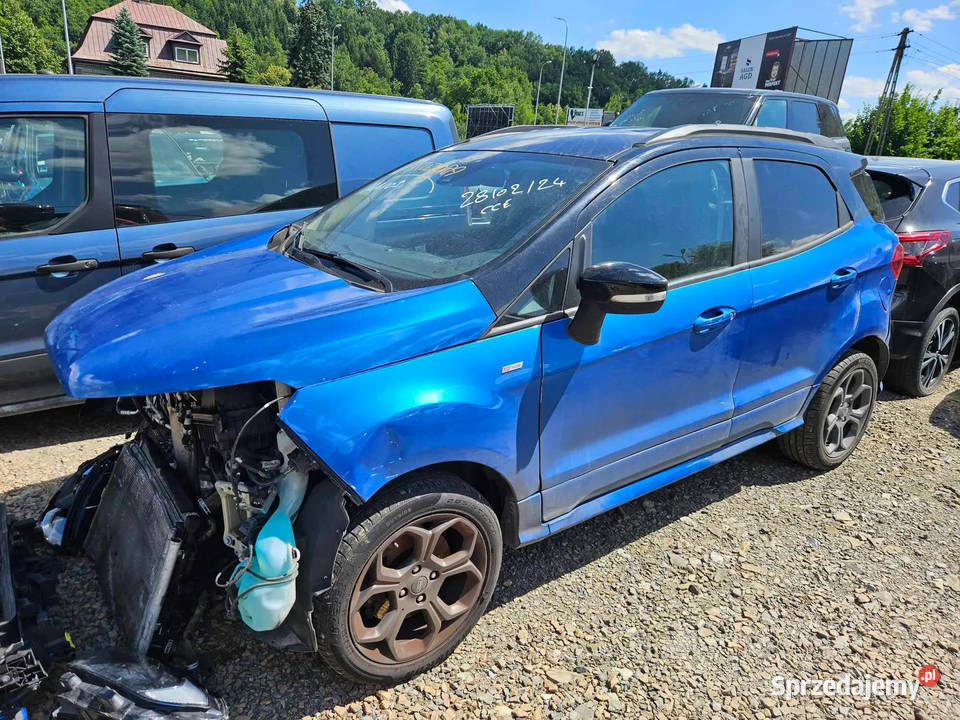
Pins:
x: 937, y: 353
x: 418, y: 588
x: 847, y: 412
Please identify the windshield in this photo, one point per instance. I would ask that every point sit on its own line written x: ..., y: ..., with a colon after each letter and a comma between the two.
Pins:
x: 669, y: 109
x: 447, y: 214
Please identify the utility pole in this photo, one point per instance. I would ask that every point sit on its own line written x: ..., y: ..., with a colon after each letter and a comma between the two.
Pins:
x: 333, y: 43
x: 3, y: 67
x: 590, y: 86
x: 536, y: 105
x: 563, y: 64
x: 887, y: 97
x: 66, y: 36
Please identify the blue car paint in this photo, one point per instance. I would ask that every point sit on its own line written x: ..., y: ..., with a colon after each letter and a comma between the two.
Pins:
x: 253, y: 315
x: 467, y: 401
x: 371, y: 134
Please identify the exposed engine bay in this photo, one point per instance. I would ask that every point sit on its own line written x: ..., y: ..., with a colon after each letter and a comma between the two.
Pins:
x: 209, y: 497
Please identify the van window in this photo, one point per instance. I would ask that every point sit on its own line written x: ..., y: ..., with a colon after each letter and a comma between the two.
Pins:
x: 773, y: 113
x: 677, y: 222
x: 804, y: 117
x: 182, y: 167
x: 365, y: 152
x: 42, y: 171
x: 798, y: 204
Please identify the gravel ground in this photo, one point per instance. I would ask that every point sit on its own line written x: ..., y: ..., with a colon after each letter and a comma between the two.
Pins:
x: 684, y: 604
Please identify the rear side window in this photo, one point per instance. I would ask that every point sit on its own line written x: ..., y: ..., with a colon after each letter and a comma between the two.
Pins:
x: 168, y: 168
x: 895, y: 193
x: 804, y: 117
x: 953, y: 194
x: 830, y: 123
x: 773, y: 113
x: 677, y: 222
x: 798, y: 204
x: 868, y: 192
x: 42, y: 171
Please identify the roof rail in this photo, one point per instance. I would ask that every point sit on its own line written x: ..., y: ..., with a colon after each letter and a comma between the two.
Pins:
x: 686, y: 131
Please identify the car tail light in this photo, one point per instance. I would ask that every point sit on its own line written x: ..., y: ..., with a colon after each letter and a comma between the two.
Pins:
x: 917, y: 245
x: 896, y: 262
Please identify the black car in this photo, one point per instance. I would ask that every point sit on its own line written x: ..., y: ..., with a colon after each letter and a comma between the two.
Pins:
x: 921, y: 202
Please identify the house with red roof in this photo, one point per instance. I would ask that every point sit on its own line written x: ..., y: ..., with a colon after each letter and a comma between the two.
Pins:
x: 174, y: 45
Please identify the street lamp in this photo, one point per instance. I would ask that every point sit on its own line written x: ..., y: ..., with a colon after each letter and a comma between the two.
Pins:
x: 66, y: 36
x: 590, y: 86
x: 536, y: 106
x: 333, y: 43
x: 563, y: 65
x: 3, y: 67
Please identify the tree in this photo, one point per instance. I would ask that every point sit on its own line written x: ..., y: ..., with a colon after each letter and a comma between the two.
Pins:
x: 409, y: 57
x: 239, y: 62
x: 919, y: 127
x: 310, y: 55
x: 24, y: 49
x: 127, y: 47
x: 274, y: 75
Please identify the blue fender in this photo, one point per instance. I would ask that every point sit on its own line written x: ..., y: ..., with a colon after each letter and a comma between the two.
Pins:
x: 477, y: 402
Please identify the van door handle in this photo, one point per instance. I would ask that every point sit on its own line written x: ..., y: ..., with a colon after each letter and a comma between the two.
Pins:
x: 843, y: 276
x: 67, y: 264
x: 713, y: 319
x: 167, y: 252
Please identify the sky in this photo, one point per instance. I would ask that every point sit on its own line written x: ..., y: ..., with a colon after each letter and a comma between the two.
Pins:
x: 681, y: 38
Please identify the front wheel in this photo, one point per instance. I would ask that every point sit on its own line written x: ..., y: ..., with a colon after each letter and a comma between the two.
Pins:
x: 837, y: 416
x: 412, y: 576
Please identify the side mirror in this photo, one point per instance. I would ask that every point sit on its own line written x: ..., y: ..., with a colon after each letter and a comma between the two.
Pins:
x: 615, y: 287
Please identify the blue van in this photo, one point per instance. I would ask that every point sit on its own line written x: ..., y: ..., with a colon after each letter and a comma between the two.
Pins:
x: 100, y: 176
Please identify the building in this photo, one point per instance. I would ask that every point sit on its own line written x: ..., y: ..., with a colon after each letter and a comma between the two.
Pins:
x: 175, y: 46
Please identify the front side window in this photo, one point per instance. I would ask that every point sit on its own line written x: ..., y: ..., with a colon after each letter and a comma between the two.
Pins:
x: 545, y: 294
x: 447, y: 214
x: 773, y: 113
x: 804, y: 117
x: 42, y: 171
x: 669, y: 109
x: 798, y: 204
x: 186, y: 54
x: 179, y: 167
x: 678, y: 222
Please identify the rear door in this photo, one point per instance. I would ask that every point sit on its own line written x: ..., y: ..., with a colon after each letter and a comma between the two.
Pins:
x: 805, y: 259
x: 193, y: 169
x: 57, y: 240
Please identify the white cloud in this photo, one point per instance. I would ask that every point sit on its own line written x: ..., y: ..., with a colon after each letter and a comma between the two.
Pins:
x: 627, y: 44
x: 863, y: 11
x: 945, y: 78
x: 843, y: 104
x: 394, y: 5
x: 862, y: 87
x: 922, y: 20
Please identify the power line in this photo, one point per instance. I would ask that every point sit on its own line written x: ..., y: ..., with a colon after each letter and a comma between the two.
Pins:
x: 927, y: 38
x: 938, y: 55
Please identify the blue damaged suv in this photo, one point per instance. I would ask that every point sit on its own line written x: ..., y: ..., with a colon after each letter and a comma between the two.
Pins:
x: 481, y: 348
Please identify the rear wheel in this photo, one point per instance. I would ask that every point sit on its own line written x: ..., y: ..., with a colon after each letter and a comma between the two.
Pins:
x: 411, y: 578
x: 922, y: 372
x: 837, y: 416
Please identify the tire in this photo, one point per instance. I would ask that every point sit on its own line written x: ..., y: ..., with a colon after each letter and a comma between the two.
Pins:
x: 921, y: 374
x: 837, y: 403
x: 440, y: 550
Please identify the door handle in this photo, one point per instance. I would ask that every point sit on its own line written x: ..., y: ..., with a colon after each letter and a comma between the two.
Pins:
x: 166, y: 252
x: 843, y: 276
x: 713, y: 319
x: 68, y: 264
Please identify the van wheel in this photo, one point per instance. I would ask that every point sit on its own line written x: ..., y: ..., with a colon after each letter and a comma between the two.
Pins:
x: 837, y: 416
x: 412, y: 576
x: 922, y: 372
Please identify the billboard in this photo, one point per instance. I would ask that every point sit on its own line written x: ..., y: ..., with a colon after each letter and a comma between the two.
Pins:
x: 487, y: 118
x: 780, y: 60
x: 585, y: 117
x: 759, y: 61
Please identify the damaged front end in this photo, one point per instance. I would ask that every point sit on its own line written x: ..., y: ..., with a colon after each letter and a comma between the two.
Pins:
x: 214, y: 494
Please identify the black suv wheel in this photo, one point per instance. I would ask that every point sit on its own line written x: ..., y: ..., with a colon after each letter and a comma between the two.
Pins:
x: 922, y: 372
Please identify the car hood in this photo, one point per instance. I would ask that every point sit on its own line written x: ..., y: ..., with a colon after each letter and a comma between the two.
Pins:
x: 240, y: 313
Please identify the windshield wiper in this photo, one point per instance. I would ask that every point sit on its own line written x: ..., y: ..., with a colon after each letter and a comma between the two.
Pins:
x: 364, y: 273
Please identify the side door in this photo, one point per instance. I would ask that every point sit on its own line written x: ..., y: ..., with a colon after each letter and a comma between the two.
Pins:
x: 57, y: 240
x: 805, y: 259
x: 656, y: 389
x: 194, y: 169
